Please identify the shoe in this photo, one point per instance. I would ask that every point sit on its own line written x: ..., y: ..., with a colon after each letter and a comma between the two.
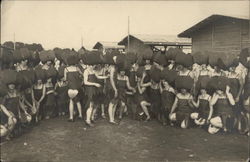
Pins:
x: 113, y: 123
x: 103, y: 116
x: 80, y: 118
x: 70, y: 120
x: 89, y: 124
x: 147, y: 119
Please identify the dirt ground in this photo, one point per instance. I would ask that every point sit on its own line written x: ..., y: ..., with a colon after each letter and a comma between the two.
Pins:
x: 58, y: 140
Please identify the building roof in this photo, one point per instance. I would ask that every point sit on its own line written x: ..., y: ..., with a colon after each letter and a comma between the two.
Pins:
x: 208, y: 20
x: 157, y: 40
x: 108, y: 45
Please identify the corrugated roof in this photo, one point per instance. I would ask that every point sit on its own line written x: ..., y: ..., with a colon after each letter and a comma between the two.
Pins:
x: 108, y: 45
x: 158, y: 39
x: 208, y: 20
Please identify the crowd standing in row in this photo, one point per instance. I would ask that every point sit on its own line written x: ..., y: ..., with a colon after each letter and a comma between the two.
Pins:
x: 172, y: 87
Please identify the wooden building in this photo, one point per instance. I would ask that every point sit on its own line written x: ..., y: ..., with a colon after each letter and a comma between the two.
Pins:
x: 108, y: 46
x: 219, y: 33
x: 154, y: 42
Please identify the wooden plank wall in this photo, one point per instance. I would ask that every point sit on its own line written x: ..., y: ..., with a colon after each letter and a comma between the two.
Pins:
x: 245, y: 34
x: 202, y: 39
x: 224, y: 35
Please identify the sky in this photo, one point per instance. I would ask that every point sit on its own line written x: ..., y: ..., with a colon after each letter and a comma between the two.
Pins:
x: 65, y: 23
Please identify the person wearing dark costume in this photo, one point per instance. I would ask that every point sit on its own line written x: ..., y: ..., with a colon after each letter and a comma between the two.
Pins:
x: 167, y: 93
x: 39, y: 94
x: 91, y: 90
x: 221, y: 106
x: 61, y: 89
x: 122, y: 84
x: 72, y: 74
x: 183, y: 104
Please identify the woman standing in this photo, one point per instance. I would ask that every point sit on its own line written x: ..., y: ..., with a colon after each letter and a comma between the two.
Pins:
x: 72, y: 74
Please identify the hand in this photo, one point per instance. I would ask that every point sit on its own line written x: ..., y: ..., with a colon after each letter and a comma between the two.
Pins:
x: 116, y: 93
x: 237, y: 99
x: 208, y: 121
x: 98, y: 85
x: 169, y: 116
x: 134, y: 91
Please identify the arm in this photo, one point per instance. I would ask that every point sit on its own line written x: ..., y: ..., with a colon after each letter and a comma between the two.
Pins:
x: 174, y: 105
x: 112, y: 79
x: 241, y: 80
x: 142, y: 81
x: 140, y: 89
x: 65, y: 73
x: 196, y: 104
x: 27, y: 102
x: 101, y: 77
x: 230, y: 96
x: 128, y: 85
x: 160, y: 86
x: 5, y: 111
x: 43, y: 94
x: 21, y: 103
x: 190, y: 101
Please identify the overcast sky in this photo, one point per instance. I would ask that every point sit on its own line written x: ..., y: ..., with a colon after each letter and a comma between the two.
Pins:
x: 62, y: 23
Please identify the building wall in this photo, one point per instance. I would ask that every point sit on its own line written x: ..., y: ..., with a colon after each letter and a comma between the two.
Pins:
x: 135, y: 45
x: 225, y: 35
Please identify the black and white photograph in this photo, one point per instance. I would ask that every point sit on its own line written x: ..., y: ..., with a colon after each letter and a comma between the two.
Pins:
x: 124, y: 81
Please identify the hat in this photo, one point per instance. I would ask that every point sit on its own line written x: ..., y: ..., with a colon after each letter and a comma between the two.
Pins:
x: 160, y: 59
x: 35, y: 60
x: 244, y: 54
x: 131, y: 57
x: 218, y: 83
x: 72, y: 59
x: 146, y: 53
x: 51, y: 72
x: 184, y: 82
x: 25, y: 79
x: 9, y: 76
x: 58, y: 53
x: 172, y: 52
x: 140, y: 71
x: 109, y: 57
x: 169, y: 75
x: 7, y: 55
x: 155, y: 74
x: 40, y: 74
x: 185, y: 60
x: 47, y: 56
x: 200, y: 58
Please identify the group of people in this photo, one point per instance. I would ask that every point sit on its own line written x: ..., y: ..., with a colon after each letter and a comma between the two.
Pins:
x: 171, y: 87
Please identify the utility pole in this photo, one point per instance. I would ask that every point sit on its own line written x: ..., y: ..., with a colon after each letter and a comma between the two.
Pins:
x: 14, y: 41
x: 81, y: 42
x: 128, y: 34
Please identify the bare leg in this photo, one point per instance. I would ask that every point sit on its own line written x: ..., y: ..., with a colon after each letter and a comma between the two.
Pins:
x: 121, y: 110
x: 145, y: 109
x: 103, y: 111
x: 113, y: 112
x: 79, y: 107
x: 110, y: 111
x: 71, y: 109
x: 89, y: 113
